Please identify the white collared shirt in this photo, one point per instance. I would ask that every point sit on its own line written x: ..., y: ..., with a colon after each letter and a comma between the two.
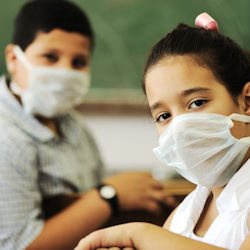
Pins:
x: 230, y: 227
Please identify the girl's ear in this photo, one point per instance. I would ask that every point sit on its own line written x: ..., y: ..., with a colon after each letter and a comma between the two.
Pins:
x: 246, y: 98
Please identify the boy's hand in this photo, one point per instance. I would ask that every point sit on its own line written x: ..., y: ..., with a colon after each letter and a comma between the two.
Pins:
x: 139, y: 191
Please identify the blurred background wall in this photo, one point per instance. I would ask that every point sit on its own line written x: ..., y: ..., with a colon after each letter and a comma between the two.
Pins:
x: 125, y: 31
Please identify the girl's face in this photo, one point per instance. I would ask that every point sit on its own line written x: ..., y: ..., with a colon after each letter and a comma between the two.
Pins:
x: 178, y: 85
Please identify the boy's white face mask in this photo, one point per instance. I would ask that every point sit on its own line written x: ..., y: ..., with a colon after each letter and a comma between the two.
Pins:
x: 51, y: 91
x: 202, y: 149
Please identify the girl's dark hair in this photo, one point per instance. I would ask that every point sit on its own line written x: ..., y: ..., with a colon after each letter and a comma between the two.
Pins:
x: 46, y: 15
x: 228, y: 62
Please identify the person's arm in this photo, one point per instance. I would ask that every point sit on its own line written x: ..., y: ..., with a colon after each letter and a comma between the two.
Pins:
x: 141, y: 236
x: 246, y: 243
x: 64, y: 230
x: 136, y: 190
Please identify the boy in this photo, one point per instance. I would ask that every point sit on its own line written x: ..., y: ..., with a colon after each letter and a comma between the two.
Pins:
x: 47, y: 154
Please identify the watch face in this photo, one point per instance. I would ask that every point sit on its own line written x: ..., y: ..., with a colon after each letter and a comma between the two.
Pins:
x: 107, y: 192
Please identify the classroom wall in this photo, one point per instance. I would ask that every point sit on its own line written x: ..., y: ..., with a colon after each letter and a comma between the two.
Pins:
x: 126, y: 143
x: 126, y: 30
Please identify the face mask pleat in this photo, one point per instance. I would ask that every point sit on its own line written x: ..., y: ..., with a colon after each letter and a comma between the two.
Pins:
x: 202, y: 149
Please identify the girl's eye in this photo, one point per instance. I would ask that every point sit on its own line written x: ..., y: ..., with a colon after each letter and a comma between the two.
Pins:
x: 51, y: 57
x: 163, y: 117
x: 197, y: 103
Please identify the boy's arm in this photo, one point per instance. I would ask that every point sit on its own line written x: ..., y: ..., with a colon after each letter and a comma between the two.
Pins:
x: 64, y: 230
x: 136, y: 191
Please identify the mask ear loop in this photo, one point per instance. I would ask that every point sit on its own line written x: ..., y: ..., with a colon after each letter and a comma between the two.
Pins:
x: 240, y: 118
x: 20, y: 56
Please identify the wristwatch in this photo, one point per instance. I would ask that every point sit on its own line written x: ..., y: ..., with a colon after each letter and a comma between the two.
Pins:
x: 109, y: 194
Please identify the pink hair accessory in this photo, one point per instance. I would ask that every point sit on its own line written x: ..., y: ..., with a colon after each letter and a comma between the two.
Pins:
x: 206, y: 22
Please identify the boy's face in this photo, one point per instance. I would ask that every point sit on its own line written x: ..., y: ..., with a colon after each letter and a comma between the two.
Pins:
x: 57, y: 48
x: 177, y: 85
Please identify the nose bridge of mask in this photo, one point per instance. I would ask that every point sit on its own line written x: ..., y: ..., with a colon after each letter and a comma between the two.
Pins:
x: 187, y: 121
x: 176, y: 132
x: 21, y: 56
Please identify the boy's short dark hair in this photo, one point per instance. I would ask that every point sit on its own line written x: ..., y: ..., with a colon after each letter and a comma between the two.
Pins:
x: 46, y: 15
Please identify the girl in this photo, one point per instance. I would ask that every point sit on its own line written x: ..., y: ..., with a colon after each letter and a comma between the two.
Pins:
x: 197, y: 84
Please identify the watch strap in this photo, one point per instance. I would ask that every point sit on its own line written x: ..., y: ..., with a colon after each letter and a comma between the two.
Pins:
x: 113, y: 202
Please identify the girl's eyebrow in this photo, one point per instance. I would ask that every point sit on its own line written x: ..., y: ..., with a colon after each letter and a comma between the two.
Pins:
x: 155, y: 106
x: 194, y: 90
x: 184, y: 93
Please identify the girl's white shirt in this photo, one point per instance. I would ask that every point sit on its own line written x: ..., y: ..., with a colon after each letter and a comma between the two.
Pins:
x: 230, y: 227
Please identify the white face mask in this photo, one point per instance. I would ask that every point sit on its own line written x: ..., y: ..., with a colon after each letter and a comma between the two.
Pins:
x: 51, y: 91
x: 202, y: 149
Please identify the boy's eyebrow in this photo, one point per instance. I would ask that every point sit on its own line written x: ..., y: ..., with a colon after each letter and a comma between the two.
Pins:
x: 194, y: 90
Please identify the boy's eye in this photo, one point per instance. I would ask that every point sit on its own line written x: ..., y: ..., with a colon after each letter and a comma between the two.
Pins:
x: 197, y: 103
x: 51, y: 57
x: 79, y: 63
x: 163, y: 117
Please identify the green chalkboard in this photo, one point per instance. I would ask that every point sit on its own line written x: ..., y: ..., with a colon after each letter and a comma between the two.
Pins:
x: 126, y: 30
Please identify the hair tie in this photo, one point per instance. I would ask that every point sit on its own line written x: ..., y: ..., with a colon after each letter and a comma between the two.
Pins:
x: 206, y: 22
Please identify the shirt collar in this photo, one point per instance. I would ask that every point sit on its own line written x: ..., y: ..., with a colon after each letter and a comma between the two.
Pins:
x: 12, y: 110
x: 234, y: 195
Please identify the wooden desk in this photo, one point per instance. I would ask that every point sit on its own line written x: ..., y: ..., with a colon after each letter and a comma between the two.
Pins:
x: 178, y: 187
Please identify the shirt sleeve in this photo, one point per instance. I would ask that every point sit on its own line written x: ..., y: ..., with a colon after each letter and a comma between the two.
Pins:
x: 20, y: 207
